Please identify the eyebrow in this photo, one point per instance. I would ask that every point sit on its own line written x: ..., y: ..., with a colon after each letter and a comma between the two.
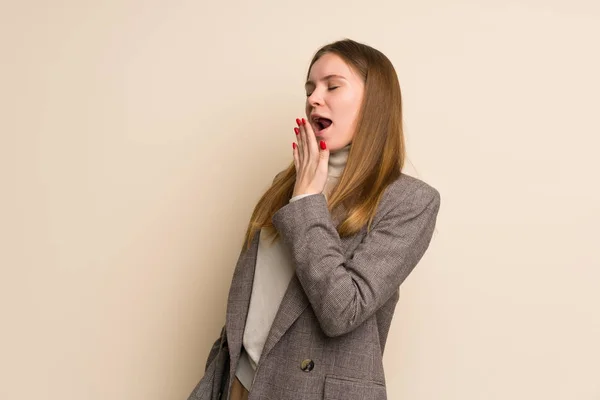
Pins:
x: 324, y: 79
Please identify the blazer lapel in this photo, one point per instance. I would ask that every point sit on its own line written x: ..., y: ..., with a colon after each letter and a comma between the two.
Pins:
x: 238, y: 301
x: 292, y: 305
x: 294, y: 302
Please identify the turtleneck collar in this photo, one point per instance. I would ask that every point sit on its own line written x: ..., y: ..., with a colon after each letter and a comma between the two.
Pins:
x: 337, y: 161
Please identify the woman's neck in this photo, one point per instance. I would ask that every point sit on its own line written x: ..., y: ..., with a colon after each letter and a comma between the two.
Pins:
x: 337, y: 161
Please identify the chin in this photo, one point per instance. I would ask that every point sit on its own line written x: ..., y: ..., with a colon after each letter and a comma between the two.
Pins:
x: 333, y: 141
x: 333, y: 147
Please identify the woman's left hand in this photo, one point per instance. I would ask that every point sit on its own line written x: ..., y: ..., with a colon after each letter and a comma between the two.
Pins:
x: 310, y: 159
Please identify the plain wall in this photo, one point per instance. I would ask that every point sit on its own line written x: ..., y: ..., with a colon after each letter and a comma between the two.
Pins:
x: 137, y: 136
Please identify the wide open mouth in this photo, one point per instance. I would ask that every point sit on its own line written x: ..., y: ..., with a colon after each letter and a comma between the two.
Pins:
x: 322, y: 124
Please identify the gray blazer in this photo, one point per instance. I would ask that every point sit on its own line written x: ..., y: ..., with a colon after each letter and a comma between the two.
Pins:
x: 329, y: 334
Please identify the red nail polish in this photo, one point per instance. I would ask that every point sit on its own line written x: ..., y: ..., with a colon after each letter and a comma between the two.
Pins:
x: 323, y: 145
x: 303, y: 121
x: 297, y: 130
x: 298, y: 121
x: 294, y: 145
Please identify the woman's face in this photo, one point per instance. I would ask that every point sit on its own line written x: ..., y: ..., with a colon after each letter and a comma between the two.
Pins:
x: 334, y: 93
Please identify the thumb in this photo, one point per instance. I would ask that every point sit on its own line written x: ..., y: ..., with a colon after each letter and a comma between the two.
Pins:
x: 323, y: 157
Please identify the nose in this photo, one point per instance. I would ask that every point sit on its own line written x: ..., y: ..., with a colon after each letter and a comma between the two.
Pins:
x: 315, y: 99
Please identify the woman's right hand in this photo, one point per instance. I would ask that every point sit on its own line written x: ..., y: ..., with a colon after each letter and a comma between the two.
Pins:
x: 310, y: 159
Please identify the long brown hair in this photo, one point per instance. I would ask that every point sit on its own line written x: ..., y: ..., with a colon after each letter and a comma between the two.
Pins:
x: 376, y: 154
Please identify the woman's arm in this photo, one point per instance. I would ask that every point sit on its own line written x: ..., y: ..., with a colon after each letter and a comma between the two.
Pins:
x: 345, y: 292
x: 215, y: 348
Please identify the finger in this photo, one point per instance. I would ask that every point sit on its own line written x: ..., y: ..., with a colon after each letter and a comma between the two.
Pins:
x: 304, y: 149
x: 310, y: 134
x: 298, y: 147
x: 311, y: 142
x: 298, y: 131
x: 295, y: 155
x: 323, y: 165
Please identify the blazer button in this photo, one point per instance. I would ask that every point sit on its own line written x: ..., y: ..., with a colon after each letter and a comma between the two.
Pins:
x: 307, y: 365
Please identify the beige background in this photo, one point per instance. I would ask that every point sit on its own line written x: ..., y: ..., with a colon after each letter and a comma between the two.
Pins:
x: 138, y: 135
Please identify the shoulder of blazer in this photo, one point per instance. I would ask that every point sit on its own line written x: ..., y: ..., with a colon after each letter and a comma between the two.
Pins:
x: 408, y: 191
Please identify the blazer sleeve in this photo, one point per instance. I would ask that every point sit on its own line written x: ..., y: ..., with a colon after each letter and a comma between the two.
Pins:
x: 214, y: 350
x: 345, y: 292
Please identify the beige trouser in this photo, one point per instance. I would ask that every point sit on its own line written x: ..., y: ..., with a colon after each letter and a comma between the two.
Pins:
x: 238, y: 391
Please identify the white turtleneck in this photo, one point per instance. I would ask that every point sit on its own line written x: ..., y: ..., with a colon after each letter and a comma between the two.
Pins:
x: 273, y: 271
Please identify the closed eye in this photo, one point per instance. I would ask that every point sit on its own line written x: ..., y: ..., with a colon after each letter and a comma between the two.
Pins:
x: 329, y: 89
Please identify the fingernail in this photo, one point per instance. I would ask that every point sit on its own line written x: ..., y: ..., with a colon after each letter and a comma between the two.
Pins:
x: 298, y: 121
x: 303, y: 121
x: 294, y: 145
x: 297, y: 130
x: 323, y: 145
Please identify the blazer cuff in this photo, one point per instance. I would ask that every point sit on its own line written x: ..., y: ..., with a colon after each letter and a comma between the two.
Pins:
x: 300, y: 196
x: 301, y: 212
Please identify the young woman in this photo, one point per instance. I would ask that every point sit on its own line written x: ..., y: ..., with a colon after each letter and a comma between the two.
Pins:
x: 327, y: 247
